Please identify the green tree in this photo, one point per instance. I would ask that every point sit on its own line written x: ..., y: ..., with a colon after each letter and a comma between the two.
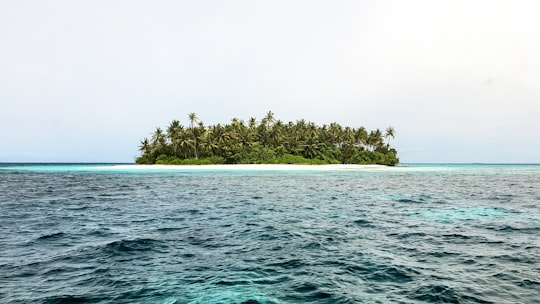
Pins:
x: 389, y: 132
x: 145, y: 146
x: 270, y: 141
x: 193, y: 119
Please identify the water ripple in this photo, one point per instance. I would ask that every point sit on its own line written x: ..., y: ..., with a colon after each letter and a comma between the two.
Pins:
x: 450, y: 235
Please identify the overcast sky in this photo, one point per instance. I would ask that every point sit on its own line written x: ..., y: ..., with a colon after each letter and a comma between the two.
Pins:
x: 87, y: 80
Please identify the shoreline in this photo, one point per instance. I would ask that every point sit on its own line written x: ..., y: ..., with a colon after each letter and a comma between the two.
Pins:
x: 256, y: 167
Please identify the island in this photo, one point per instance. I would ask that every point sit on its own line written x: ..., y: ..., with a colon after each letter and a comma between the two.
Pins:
x: 268, y: 141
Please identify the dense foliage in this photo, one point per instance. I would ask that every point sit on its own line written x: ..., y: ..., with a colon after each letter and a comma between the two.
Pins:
x: 270, y: 141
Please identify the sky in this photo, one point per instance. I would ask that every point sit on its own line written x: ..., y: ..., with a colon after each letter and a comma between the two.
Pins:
x: 85, y: 81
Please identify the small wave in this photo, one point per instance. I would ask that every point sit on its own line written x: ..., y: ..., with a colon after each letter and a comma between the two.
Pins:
x: 289, y: 264
x: 52, y: 236
x: 78, y: 208
x: 456, y: 236
x: 436, y: 294
x: 443, y: 254
x: 363, y: 223
x: 408, y: 200
x: 408, y: 235
x: 233, y: 295
x: 529, y: 284
x: 510, y: 228
x: 57, y: 239
x: 276, y: 235
x: 193, y: 211
x: 307, y: 292
x: 147, y: 220
x: 100, y: 233
x: 169, y: 229
x: 65, y: 299
x: 272, y: 281
x: 394, y: 274
x: 462, y: 214
x: 135, y: 245
x: 501, y: 197
x: 444, y: 294
x: 382, y: 273
x: 203, y: 241
x: 231, y: 282
x: 517, y: 258
x: 306, y: 287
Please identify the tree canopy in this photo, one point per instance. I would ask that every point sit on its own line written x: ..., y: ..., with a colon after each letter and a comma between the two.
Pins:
x: 269, y: 141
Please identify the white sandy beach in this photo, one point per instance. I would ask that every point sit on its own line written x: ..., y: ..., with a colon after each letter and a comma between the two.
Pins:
x: 255, y: 167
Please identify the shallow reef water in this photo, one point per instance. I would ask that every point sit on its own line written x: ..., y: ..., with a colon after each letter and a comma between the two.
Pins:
x: 414, y: 234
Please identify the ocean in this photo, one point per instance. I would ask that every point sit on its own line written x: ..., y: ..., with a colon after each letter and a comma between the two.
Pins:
x: 87, y: 233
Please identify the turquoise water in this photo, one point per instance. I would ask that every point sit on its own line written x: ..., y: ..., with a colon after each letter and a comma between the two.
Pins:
x: 416, y: 234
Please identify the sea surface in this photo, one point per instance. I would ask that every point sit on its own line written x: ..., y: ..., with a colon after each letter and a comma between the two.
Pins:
x: 415, y: 234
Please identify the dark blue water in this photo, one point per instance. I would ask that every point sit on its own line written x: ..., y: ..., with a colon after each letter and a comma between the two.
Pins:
x: 423, y: 234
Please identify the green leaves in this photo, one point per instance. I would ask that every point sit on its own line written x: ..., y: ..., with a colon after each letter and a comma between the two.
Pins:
x: 270, y: 141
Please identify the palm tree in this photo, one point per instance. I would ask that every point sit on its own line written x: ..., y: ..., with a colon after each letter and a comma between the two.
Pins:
x: 361, y: 137
x: 146, y: 153
x: 145, y: 146
x: 186, y: 146
x: 335, y: 131
x: 192, y: 120
x: 159, y: 143
x: 208, y: 143
x: 239, y: 142
x: 236, y: 125
x: 176, y: 146
x: 252, y: 123
x: 158, y: 138
x: 274, y: 137
x: 173, y: 130
x: 389, y: 132
x: 374, y: 139
x: 269, y: 119
x: 311, y: 149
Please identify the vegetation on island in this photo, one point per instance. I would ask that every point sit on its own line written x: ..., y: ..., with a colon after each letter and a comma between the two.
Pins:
x: 269, y: 141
